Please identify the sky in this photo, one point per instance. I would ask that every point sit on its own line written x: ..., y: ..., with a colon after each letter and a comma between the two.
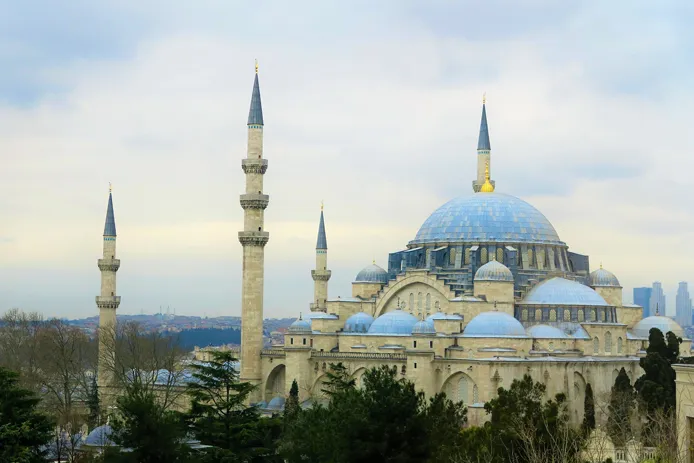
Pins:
x: 371, y: 107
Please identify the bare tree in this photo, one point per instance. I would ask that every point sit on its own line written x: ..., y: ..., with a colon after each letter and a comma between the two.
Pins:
x: 19, y: 345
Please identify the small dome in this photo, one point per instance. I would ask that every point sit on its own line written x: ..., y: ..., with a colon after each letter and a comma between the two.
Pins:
x: 319, y: 315
x: 546, y: 331
x: 494, y: 324
x: 300, y: 326
x: 664, y: 324
x: 395, y: 322
x: 493, y: 271
x: 372, y: 274
x: 424, y: 327
x: 262, y: 404
x: 560, y: 291
x: 444, y: 316
x: 602, y: 277
x: 277, y: 403
x: 100, y: 437
x: 358, y: 323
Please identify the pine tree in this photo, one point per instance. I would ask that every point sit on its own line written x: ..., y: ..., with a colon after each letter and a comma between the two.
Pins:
x: 621, y: 404
x: 23, y: 429
x: 291, y: 406
x: 338, y: 379
x: 588, y: 411
x: 93, y: 403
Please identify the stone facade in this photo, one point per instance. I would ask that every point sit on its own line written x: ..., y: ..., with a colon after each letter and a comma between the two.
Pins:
x: 107, y: 301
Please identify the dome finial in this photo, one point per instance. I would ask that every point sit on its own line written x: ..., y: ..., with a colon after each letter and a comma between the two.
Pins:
x: 487, y: 187
x: 484, y: 98
x: 600, y: 264
x: 256, y: 66
x: 321, y: 205
x: 110, y: 187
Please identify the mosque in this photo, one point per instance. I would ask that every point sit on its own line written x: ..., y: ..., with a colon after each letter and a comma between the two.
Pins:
x: 484, y: 293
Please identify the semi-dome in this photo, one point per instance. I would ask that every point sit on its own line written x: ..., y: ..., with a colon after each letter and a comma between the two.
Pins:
x: 664, y: 324
x: 546, y: 332
x: 300, y: 326
x: 487, y: 217
x: 444, y: 316
x: 395, y: 322
x: 100, y: 436
x: 372, y: 274
x: 494, y: 324
x: 277, y: 403
x: 560, y: 291
x: 358, y: 323
x: 424, y: 327
x: 602, y: 277
x: 493, y: 271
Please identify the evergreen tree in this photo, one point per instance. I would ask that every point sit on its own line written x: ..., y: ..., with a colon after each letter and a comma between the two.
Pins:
x: 219, y: 416
x: 621, y: 405
x: 152, y: 434
x: 588, y: 411
x: 23, y: 430
x: 337, y: 379
x: 93, y: 404
x: 291, y: 406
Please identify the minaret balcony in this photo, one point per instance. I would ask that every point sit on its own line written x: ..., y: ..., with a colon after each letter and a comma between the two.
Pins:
x: 254, y: 166
x: 254, y: 201
x: 321, y: 275
x: 107, y: 302
x: 111, y: 265
x: 254, y: 238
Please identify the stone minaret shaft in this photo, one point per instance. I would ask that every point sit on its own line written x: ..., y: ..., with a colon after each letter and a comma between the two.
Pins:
x: 253, y: 240
x: 107, y: 301
x: 321, y: 274
x: 484, y: 150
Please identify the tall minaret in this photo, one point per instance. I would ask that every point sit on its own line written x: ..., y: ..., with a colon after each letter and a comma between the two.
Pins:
x: 483, y: 150
x: 321, y: 274
x: 107, y: 302
x: 253, y: 240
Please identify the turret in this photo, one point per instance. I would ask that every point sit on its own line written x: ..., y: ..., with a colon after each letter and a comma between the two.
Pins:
x: 321, y: 274
x: 484, y: 150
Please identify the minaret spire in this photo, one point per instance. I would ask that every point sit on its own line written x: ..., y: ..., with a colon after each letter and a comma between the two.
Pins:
x: 321, y: 274
x: 483, y: 149
x: 253, y: 239
x: 107, y: 301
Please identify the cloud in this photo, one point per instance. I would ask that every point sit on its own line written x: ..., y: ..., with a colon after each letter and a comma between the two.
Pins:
x: 376, y: 114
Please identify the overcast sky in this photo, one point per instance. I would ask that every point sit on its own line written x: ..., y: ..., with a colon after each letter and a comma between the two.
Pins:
x: 371, y: 106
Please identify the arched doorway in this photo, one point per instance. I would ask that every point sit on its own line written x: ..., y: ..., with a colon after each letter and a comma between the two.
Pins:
x: 274, y: 385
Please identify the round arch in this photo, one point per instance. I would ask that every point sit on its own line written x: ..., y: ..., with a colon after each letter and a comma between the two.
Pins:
x: 274, y: 384
x: 460, y: 387
x: 399, y: 288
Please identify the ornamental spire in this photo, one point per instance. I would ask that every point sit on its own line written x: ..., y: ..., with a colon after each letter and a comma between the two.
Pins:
x: 255, y: 115
x: 322, y: 242
x: 110, y: 226
x: 483, y: 140
x: 487, y: 187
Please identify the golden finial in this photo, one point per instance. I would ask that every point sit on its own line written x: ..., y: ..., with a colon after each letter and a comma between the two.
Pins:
x: 484, y: 98
x: 321, y: 205
x: 487, y: 187
x: 256, y: 66
x: 110, y: 188
x: 600, y: 265
x: 373, y: 261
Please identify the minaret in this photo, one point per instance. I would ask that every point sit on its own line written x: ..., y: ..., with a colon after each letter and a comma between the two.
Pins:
x: 483, y: 150
x: 107, y: 302
x: 321, y: 274
x: 253, y: 239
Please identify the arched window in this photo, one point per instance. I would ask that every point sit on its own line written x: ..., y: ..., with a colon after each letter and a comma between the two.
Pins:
x: 500, y: 255
x: 619, y: 345
x: 608, y: 342
x: 411, y: 307
x: 462, y: 390
x: 538, y: 315
x: 419, y: 301
x: 483, y: 256
x: 467, y: 255
x: 581, y: 315
x: 451, y: 257
x: 540, y: 256
x: 553, y: 315
x: 530, y: 257
x: 551, y: 345
x: 475, y: 394
x: 596, y: 346
x: 524, y: 315
x: 428, y: 303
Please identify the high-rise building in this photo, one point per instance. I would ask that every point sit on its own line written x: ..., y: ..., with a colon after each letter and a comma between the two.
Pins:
x: 657, y: 303
x: 683, y: 305
x: 642, y: 297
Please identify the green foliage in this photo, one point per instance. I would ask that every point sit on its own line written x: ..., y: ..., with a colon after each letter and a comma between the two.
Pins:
x: 219, y: 416
x: 588, y: 411
x: 154, y: 434
x: 622, y: 401
x: 291, y: 406
x: 93, y: 404
x: 337, y: 380
x: 386, y: 421
x: 23, y: 430
x: 524, y: 425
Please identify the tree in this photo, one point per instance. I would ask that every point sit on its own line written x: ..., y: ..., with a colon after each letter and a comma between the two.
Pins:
x: 219, y: 415
x: 93, y: 404
x: 337, y: 379
x: 23, y: 429
x: 150, y: 432
x: 619, y: 410
x: 291, y: 406
x: 588, y: 411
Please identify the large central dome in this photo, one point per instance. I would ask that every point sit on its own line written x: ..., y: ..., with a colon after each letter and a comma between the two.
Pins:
x: 487, y: 217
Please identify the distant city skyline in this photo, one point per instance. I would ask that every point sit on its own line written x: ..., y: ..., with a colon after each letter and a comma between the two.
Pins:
x: 683, y: 304
x: 155, y: 101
